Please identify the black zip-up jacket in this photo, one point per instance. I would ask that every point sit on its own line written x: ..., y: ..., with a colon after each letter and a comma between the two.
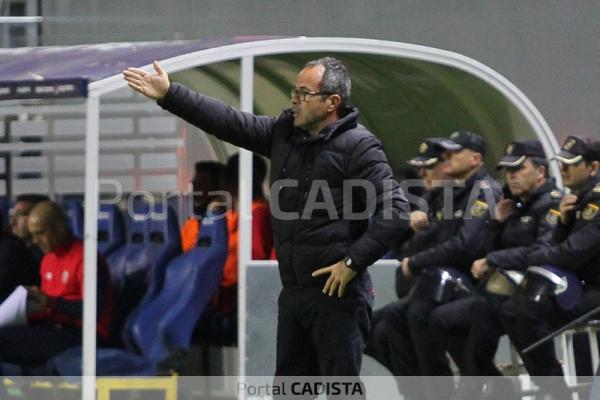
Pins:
x: 308, y: 201
x: 529, y: 228
x: 577, y: 245
x: 458, y: 239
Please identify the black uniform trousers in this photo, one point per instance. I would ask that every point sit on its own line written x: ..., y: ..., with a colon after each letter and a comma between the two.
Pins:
x: 477, y: 320
x: 391, y: 345
x: 321, y: 335
x: 527, y: 321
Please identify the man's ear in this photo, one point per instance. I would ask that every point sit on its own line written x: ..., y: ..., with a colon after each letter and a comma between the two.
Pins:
x: 334, y: 102
x: 595, y: 167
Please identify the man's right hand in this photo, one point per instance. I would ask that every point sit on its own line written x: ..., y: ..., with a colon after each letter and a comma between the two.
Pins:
x: 504, y: 209
x: 418, y: 220
x: 153, y: 86
x: 567, y: 207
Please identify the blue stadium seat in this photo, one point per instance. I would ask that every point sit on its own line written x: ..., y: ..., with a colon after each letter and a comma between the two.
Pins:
x: 153, y: 241
x: 163, y: 324
x: 111, y: 229
x: 74, y: 210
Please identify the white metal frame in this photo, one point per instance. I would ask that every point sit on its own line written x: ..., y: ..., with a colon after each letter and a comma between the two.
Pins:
x: 246, y: 52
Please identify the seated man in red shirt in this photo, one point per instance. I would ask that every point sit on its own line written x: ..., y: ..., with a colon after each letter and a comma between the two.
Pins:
x: 55, y: 309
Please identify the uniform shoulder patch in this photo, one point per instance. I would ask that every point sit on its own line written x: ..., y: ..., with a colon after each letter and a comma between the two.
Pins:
x: 552, y: 216
x: 479, y: 208
x: 590, y: 211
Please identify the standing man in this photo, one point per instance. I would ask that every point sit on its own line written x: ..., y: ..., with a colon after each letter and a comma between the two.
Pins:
x: 324, y: 240
x: 576, y: 248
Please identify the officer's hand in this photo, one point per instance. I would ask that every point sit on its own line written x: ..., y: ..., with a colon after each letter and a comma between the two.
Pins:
x: 567, y: 207
x: 152, y: 86
x: 504, y: 209
x: 339, y: 277
x: 480, y: 268
x: 405, y: 270
x: 418, y: 220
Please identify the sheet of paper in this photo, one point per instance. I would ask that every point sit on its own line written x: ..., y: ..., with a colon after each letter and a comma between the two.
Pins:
x: 13, y: 311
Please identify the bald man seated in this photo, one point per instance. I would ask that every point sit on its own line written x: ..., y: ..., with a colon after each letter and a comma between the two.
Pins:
x: 55, y: 309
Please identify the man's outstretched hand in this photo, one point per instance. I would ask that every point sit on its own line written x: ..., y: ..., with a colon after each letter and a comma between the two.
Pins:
x: 154, y: 86
x: 339, y: 277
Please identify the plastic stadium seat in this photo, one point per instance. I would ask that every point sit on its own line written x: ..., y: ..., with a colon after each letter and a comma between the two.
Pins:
x: 153, y: 240
x: 111, y: 229
x: 162, y: 325
x: 74, y: 210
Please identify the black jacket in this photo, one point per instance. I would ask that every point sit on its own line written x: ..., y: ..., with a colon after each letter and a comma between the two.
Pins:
x: 529, y: 228
x: 17, y: 266
x: 310, y: 170
x: 457, y: 240
x: 577, y: 245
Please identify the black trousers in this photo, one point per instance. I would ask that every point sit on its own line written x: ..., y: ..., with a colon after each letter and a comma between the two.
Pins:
x: 323, y: 336
x: 527, y: 321
x: 34, y: 345
x: 475, y: 319
x: 319, y: 335
x: 390, y: 342
x: 391, y: 345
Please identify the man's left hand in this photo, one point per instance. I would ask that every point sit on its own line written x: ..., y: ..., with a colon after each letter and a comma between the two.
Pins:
x: 339, y: 277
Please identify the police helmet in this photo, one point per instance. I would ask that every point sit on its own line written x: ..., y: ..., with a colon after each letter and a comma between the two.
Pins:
x: 547, y: 282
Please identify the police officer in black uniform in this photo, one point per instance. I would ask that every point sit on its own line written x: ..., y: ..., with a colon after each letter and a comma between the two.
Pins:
x: 523, y: 221
x: 389, y: 342
x: 457, y: 242
x: 576, y: 248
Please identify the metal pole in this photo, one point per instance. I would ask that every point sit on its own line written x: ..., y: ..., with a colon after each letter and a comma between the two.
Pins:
x: 557, y: 332
x: 245, y: 212
x: 90, y: 249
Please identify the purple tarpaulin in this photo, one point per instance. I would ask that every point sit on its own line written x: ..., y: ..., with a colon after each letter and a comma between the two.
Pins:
x: 64, y: 71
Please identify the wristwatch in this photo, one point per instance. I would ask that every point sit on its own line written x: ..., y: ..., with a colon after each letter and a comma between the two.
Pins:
x: 349, y: 263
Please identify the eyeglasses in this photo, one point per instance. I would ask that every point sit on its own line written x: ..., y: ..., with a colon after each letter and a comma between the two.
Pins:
x: 302, y: 94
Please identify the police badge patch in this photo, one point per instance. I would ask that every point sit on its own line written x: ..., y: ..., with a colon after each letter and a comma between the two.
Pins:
x: 526, y: 219
x: 552, y: 216
x: 479, y: 208
x: 590, y: 211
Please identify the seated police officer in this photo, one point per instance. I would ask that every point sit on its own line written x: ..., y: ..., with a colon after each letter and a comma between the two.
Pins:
x: 523, y: 221
x: 575, y: 252
x: 455, y: 244
x: 386, y: 343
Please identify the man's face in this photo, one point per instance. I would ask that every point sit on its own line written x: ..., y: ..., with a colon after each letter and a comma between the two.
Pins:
x: 202, y: 183
x: 311, y: 112
x: 460, y: 162
x: 18, y: 219
x: 524, y: 180
x: 435, y: 173
x: 574, y: 175
x: 45, y: 235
